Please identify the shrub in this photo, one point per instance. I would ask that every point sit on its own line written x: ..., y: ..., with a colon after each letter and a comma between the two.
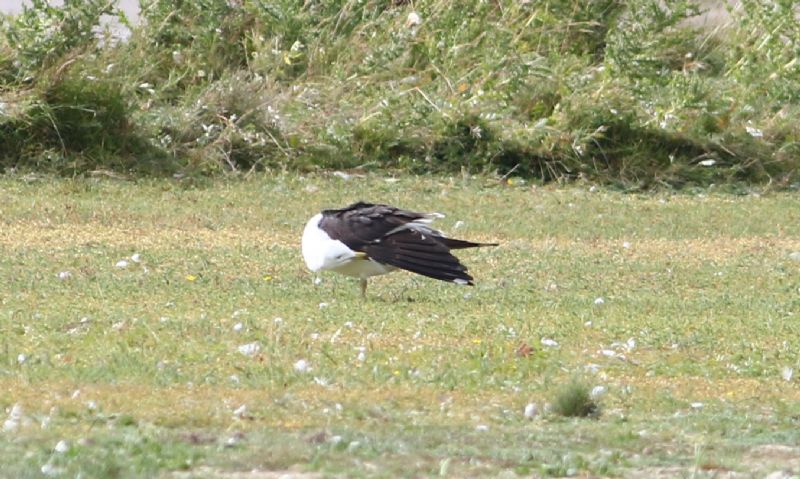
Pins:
x: 621, y: 92
x: 574, y: 400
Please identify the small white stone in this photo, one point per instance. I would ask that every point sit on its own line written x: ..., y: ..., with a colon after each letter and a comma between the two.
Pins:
x: 136, y: 257
x: 531, y: 411
x: 321, y: 381
x: 277, y: 320
x: 588, y: 324
x: 549, y: 342
x: 233, y: 440
x: 323, y: 305
x: 91, y: 405
x: 234, y: 378
x: 597, y: 392
x: 599, y: 300
x: 302, y: 366
x: 413, y: 19
x: 10, y: 425
x: 238, y: 327
x: 317, y: 280
x: 64, y: 275
x: 481, y: 428
x: 51, y: 470
x: 250, y: 349
x: 752, y: 131
x: 708, y: 163
x: 697, y: 405
x: 21, y: 358
x: 794, y: 256
x: 123, y: 263
x: 787, y: 373
x: 62, y: 446
x: 362, y: 356
x: 240, y: 411
x: 626, y: 244
x: 15, y: 416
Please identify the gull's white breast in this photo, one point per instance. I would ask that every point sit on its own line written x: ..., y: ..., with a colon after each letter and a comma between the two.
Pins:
x: 320, y: 252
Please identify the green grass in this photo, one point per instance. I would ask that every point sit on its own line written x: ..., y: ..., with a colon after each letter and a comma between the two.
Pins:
x: 138, y: 368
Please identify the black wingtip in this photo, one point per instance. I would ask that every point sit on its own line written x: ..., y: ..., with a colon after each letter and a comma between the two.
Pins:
x: 453, y: 243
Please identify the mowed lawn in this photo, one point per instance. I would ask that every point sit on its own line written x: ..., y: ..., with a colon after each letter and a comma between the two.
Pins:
x: 159, y: 329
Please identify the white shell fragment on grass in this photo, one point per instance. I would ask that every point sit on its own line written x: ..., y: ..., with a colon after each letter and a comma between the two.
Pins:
x: 302, y: 366
x: 250, y: 349
x: 123, y: 263
x: 15, y: 417
x: 598, y: 392
x: 240, y: 411
x: 599, y: 300
x: 413, y: 20
x: 531, y: 411
x: 50, y: 470
x: 61, y: 447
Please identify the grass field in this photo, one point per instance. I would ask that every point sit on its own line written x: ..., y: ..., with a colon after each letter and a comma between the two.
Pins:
x: 216, y: 354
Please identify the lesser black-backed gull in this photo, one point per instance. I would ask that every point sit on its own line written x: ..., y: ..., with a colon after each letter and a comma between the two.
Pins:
x: 366, y: 239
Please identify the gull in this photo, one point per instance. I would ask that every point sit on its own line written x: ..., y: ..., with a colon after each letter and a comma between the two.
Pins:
x: 366, y: 239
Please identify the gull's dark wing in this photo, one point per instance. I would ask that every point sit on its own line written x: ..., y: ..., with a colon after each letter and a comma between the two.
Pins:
x: 362, y: 223
x: 420, y: 253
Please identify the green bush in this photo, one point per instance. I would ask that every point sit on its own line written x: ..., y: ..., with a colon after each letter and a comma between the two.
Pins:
x: 575, y: 400
x: 620, y: 92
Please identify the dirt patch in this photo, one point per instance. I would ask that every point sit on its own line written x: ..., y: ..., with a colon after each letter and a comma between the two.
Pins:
x: 774, y: 458
x: 770, y: 461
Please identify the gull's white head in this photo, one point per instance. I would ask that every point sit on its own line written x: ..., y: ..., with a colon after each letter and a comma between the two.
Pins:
x: 320, y: 251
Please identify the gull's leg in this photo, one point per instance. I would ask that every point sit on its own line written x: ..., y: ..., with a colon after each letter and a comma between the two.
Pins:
x: 363, y: 288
